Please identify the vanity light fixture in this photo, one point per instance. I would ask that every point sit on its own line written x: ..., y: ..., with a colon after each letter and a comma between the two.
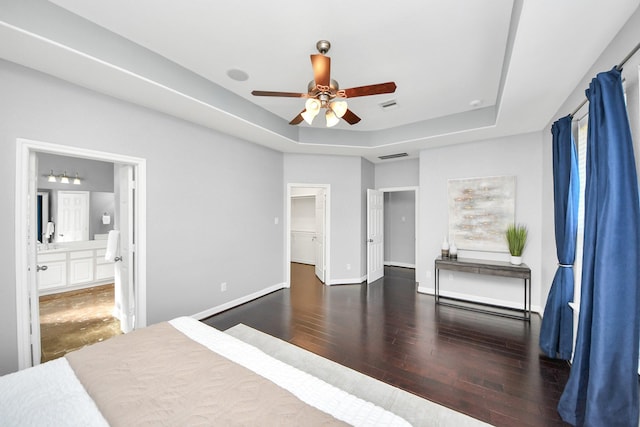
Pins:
x: 63, y: 179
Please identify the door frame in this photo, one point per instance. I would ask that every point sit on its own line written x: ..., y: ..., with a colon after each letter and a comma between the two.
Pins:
x: 24, y: 149
x: 327, y: 231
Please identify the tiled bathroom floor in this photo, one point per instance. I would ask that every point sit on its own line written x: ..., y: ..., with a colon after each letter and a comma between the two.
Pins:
x: 72, y: 320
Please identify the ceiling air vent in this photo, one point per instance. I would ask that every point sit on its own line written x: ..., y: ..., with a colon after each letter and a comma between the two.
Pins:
x: 393, y: 156
x: 388, y: 104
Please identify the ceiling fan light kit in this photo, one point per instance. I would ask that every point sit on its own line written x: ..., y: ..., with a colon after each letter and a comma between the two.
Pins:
x: 322, y: 92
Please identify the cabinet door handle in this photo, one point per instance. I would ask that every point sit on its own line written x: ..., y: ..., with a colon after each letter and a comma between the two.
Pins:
x: 41, y: 267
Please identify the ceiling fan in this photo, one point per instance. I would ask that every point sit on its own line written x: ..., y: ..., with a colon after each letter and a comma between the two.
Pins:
x: 324, y: 92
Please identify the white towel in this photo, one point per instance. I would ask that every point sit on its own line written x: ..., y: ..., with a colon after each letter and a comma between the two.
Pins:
x: 112, y: 245
x: 49, y: 232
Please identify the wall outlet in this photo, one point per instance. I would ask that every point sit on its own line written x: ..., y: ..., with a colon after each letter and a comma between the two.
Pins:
x: 348, y: 267
x: 223, y: 287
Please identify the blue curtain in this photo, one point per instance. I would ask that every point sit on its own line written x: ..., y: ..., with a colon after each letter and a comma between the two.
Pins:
x: 602, y: 389
x: 556, y: 331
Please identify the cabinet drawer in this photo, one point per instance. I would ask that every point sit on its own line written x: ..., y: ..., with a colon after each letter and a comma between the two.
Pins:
x: 81, y: 254
x: 60, y: 256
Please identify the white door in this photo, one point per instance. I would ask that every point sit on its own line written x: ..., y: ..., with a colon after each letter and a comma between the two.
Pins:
x: 73, y: 216
x: 32, y: 266
x: 123, y: 271
x: 319, y: 238
x: 375, y: 235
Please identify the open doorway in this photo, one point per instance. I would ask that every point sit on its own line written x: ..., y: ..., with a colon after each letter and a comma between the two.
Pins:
x: 392, y: 229
x: 83, y: 262
x: 308, y: 221
x: 75, y: 281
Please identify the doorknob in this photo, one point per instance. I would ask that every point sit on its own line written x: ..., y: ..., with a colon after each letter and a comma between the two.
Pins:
x: 370, y: 240
x: 41, y: 267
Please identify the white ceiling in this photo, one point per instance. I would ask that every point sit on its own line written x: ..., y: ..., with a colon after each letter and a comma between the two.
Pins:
x: 465, y: 69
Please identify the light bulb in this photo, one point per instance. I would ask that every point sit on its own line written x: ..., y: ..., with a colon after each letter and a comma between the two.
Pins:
x: 339, y: 107
x: 332, y: 119
x: 312, y: 104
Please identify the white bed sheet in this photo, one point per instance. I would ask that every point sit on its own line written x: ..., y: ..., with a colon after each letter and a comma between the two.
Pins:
x: 47, y: 395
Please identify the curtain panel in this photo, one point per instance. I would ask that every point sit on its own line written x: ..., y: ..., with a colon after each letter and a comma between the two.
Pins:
x: 556, y: 331
x: 602, y: 389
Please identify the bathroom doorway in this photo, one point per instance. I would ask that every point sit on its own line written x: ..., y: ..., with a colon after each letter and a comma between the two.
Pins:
x: 131, y: 209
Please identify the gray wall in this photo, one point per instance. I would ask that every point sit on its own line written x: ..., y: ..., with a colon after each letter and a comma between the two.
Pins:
x: 398, y: 173
x: 94, y: 175
x: 343, y: 174
x: 519, y: 156
x: 208, y: 196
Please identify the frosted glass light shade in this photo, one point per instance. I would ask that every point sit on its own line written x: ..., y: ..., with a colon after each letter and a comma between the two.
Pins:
x: 332, y: 119
x: 52, y: 177
x: 76, y: 180
x: 308, y: 115
x: 339, y: 107
x: 64, y: 179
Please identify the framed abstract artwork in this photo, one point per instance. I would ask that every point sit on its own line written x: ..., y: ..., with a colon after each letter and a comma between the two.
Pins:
x: 480, y: 209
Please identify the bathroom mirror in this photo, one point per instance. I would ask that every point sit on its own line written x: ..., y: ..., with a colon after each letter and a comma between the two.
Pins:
x: 42, y: 207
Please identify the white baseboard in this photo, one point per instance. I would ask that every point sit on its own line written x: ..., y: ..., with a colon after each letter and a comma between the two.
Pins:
x: 399, y: 264
x: 482, y: 300
x: 353, y: 281
x: 236, y: 302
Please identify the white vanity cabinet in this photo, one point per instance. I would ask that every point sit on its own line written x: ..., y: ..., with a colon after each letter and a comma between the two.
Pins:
x: 81, y: 265
x: 72, y: 267
x: 104, y: 269
x: 55, y: 274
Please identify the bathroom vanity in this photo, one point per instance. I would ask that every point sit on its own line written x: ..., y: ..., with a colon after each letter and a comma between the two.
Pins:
x: 73, y: 265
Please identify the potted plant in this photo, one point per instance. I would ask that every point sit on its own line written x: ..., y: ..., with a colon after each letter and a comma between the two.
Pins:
x: 516, y: 235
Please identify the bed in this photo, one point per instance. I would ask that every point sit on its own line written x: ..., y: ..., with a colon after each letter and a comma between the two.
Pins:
x: 180, y: 373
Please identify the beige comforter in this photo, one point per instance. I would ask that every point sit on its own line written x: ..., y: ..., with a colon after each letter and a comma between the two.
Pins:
x: 184, y: 384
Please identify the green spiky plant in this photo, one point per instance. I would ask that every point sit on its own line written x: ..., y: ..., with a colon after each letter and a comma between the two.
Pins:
x: 516, y: 235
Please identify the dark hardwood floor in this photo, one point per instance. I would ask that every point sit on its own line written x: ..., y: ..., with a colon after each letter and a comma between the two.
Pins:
x: 485, y: 366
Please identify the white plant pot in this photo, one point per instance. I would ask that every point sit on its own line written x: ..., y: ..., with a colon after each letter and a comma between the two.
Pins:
x: 516, y: 260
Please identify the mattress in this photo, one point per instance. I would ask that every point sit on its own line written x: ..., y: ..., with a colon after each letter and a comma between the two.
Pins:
x: 180, y: 372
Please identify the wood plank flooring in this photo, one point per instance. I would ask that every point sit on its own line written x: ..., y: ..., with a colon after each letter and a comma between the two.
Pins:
x: 486, y: 366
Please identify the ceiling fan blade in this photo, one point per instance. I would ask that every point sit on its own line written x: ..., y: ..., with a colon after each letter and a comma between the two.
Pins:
x: 321, y: 69
x: 297, y: 119
x: 285, y: 94
x: 350, y: 117
x: 388, y: 87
